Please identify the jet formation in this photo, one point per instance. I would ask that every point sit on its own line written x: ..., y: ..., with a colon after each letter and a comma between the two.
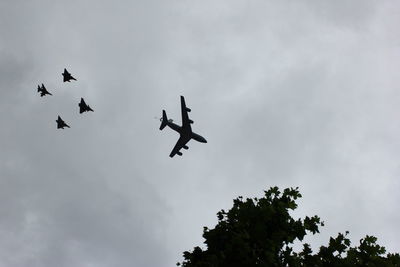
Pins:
x: 185, y: 131
x: 83, y: 107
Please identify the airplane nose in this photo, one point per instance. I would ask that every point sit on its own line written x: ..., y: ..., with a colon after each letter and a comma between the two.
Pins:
x: 199, y: 138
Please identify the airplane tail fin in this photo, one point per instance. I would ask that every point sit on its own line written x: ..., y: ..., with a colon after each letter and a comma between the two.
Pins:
x: 164, y: 120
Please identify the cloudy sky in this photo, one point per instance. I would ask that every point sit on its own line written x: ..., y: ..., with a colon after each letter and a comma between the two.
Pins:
x: 287, y: 93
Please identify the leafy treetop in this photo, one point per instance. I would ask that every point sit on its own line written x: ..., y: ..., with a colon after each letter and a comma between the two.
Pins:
x: 260, y: 232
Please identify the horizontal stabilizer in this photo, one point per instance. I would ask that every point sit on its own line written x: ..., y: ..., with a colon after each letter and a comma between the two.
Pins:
x: 164, y: 120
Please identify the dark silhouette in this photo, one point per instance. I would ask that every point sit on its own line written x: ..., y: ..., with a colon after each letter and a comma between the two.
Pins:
x: 43, y: 91
x: 83, y: 107
x: 261, y: 232
x: 67, y: 76
x: 61, y: 124
x: 185, y: 130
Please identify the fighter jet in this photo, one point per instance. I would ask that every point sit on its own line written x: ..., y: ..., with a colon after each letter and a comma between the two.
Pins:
x: 61, y: 124
x: 67, y: 76
x: 83, y: 107
x: 43, y: 91
x: 185, y: 131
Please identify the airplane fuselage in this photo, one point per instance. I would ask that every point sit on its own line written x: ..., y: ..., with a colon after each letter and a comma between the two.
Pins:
x: 187, y: 134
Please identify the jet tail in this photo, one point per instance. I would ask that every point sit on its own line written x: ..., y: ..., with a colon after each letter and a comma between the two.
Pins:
x: 164, y: 120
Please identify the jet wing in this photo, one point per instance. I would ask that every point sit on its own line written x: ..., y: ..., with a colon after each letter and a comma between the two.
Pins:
x: 185, y: 117
x: 82, y: 105
x: 66, y: 75
x: 179, y: 145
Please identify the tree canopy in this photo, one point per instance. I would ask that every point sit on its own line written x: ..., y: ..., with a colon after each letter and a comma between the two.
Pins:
x: 261, y: 232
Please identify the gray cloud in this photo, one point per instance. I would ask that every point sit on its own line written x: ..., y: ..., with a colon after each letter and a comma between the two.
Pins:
x: 287, y: 94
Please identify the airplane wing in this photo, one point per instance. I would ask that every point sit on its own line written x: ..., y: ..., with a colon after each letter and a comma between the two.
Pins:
x: 82, y: 106
x: 179, y: 145
x: 185, y: 117
x: 59, y: 122
x: 65, y: 75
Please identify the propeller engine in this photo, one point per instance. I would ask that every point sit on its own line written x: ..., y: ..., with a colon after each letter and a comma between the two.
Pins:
x: 160, y: 119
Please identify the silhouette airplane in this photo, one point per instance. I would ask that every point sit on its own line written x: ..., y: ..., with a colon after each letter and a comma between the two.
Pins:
x: 42, y: 90
x: 83, y: 107
x: 61, y: 124
x: 67, y: 76
x: 185, y: 131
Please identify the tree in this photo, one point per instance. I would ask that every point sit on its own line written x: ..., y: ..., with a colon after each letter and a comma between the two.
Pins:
x: 260, y: 232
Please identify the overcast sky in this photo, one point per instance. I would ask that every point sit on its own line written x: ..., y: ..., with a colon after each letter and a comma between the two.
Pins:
x: 286, y: 93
